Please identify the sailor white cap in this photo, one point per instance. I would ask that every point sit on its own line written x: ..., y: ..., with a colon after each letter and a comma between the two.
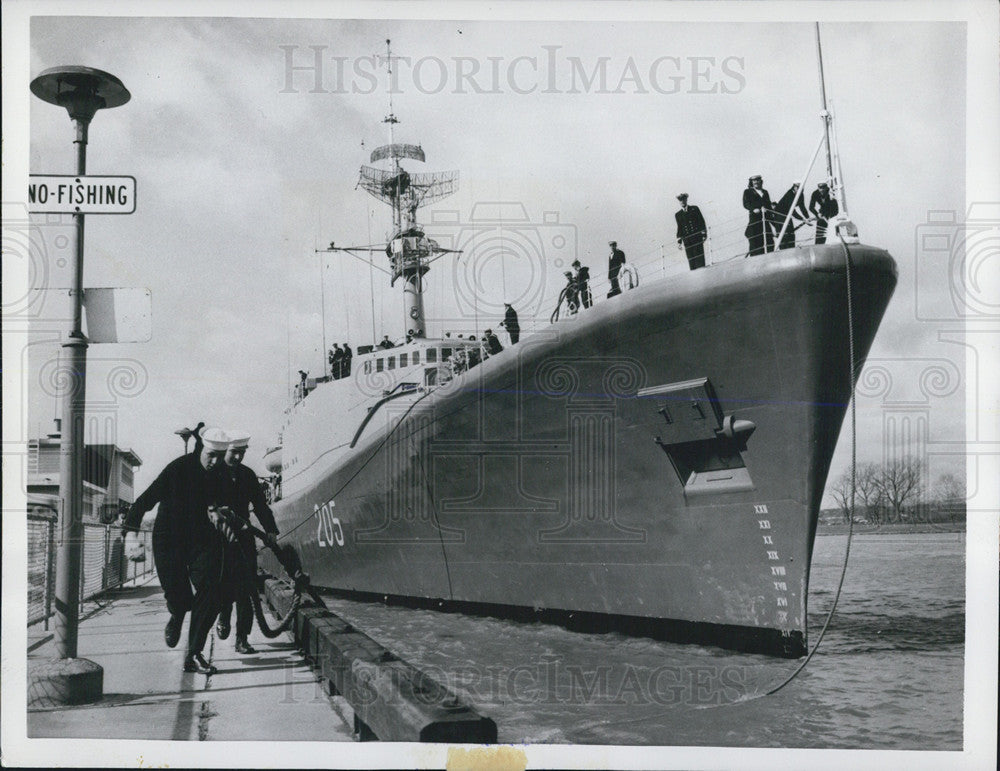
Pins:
x: 215, y: 439
x: 238, y: 440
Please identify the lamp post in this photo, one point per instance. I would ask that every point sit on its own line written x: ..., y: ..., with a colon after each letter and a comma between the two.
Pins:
x: 82, y: 91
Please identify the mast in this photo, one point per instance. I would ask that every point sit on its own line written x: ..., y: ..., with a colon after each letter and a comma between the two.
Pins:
x: 409, y: 250
x: 391, y: 121
x: 825, y: 114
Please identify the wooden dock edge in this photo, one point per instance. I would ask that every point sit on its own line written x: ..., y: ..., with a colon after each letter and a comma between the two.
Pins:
x: 392, y: 700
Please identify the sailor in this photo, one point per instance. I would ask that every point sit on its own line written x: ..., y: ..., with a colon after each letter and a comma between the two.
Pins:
x: 241, y: 555
x: 187, y: 545
x: 475, y: 353
x: 582, y: 279
x: 615, y: 262
x: 492, y: 343
x: 799, y: 215
x: 570, y: 293
x: 823, y: 207
x: 303, y: 375
x: 691, y: 232
x: 459, y: 361
x: 510, y: 323
x: 386, y: 342
x: 345, y: 362
x: 757, y: 202
x: 336, y: 356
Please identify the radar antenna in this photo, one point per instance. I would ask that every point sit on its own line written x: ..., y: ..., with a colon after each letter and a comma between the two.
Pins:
x: 409, y: 250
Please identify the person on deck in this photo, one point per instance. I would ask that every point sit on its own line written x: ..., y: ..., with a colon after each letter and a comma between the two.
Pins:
x: 240, y: 571
x: 757, y: 202
x: 188, y: 541
x: 691, y: 232
x: 386, y: 343
x: 511, y: 324
x: 492, y: 343
x: 582, y: 279
x: 571, y: 293
x: 336, y: 357
x: 615, y: 261
x: 823, y: 207
x: 799, y: 215
x: 345, y: 361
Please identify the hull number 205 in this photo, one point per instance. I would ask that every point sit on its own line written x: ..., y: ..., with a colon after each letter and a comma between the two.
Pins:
x: 328, y: 529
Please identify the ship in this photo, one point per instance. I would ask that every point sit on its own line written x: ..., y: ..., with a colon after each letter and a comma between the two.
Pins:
x: 652, y: 464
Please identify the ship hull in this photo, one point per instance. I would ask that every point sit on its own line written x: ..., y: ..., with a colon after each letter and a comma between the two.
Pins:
x: 654, y: 464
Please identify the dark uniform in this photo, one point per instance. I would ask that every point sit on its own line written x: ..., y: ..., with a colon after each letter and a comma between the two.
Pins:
x: 493, y: 343
x: 691, y: 233
x: 781, y: 210
x: 336, y: 357
x: 511, y: 324
x: 345, y: 362
x: 571, y: 293
x: 582, y: 279
x: 187, y: 549
x: 758, y: 231
x: 822, y: 207
x: 243, y: 491
x: 615, y: 262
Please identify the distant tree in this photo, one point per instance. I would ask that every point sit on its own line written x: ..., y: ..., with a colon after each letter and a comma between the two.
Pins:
x: 869, y: 492
x: 840, y: 489
x: 899, y: 482
x: 949, y: 495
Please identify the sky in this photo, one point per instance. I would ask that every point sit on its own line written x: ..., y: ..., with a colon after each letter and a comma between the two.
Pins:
x: 245, y: 167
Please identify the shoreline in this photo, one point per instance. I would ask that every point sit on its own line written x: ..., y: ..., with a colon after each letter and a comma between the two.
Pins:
x: 904, y: 528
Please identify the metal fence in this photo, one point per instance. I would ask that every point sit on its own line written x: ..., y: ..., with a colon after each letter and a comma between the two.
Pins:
x: 103, y: 564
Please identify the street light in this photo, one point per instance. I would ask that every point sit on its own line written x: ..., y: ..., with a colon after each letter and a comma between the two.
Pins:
x: 82, y: 91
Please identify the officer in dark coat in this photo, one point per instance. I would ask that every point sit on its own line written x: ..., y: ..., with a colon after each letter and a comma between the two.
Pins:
x: 757, y: 202
x: 336, y: 357
x: 615, y: 262
x: 492, y: 342
x: 187, y: 542
x: 691, y: 232
x: 799, y: 215
x: 823, y: 207
x: 241, y: 555
x: 511, y: 324
x: 345, y: 362
x: 582, y: 279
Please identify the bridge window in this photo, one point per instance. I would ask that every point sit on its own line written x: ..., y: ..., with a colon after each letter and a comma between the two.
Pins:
x: 416, y: 357
x: 402, y: 360
x: 445, y: 354
x: 430, y: 376
x: 368, y: 367
x: 432, y: 355
x: 392, y: 363
x: 379, y: 365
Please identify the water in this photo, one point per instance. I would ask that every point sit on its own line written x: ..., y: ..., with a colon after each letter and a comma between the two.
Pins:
x: 888, y: 674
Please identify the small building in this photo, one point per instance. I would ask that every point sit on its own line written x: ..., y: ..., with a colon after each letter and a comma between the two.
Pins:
x: 108, y: 472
